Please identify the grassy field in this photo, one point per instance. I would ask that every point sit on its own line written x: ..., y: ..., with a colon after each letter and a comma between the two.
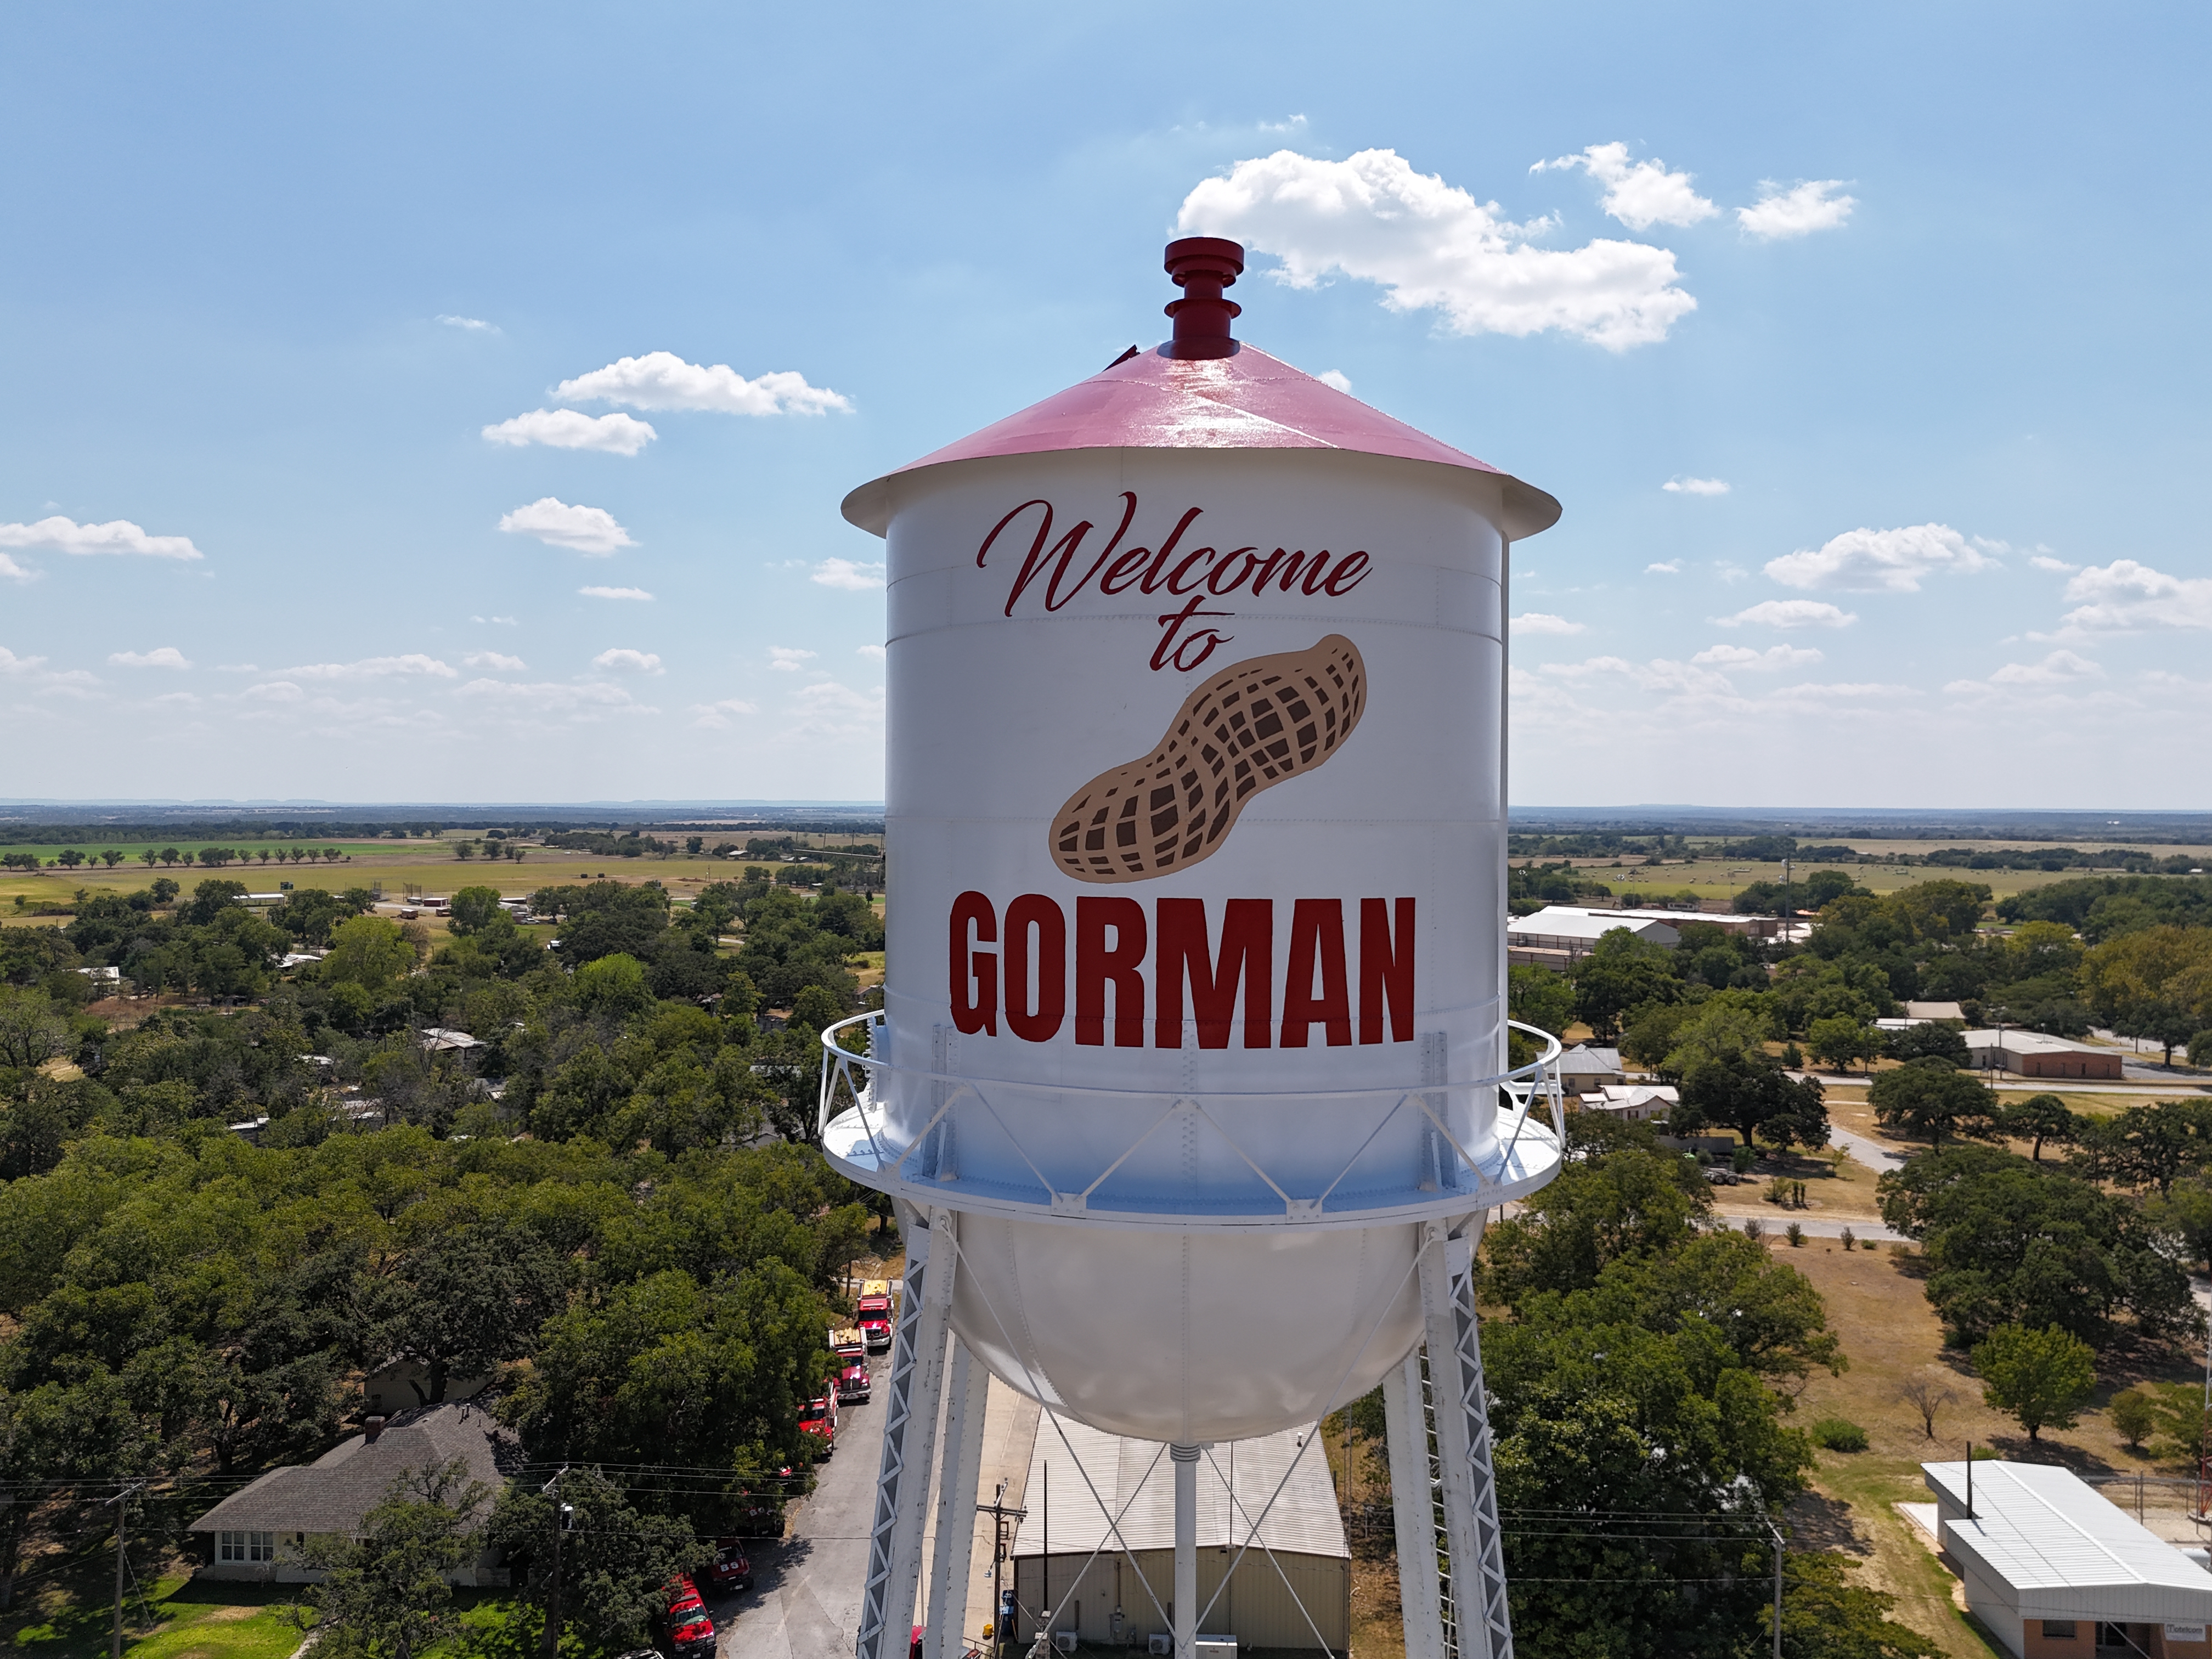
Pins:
x: 1876, y: 1300
x: 67, y: 1614
x: 395, y: 865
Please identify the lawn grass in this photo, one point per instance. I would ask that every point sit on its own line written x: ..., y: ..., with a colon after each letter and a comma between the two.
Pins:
x: 1718, y: 878
x: 1876, y: 1302
x: 68, y: 1614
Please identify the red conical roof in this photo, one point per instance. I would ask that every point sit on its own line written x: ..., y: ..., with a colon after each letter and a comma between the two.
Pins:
x: 1247, y: 401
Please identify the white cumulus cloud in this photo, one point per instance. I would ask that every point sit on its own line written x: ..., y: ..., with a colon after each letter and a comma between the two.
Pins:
x: 720, y: 716
x: 1744, y: 657
x: 529, y: 703
x: 12, y: 664
x: 614, y: 594
x: 1337, y: 378
x: 591, y: 531
x: 1696, y: 486
x: 1880, y: 561
x: 661, y: 379
x: 2045, y: 562
x: 788, y: 658
x: 2126, y: 596
x: 1789, y: 613
x: 1799, y: 210
x: 852, y: 577
x: 1640, y: 194
x: 16, y: 572
x: 373, y: 668
x: 622, y: 661
x: 2059, y: 668
x: 162, y: 656
x: 117, y: 536
x: 571, y: 429
x: 472, y: 325
x: 1664, y: 567
x: 275, y: 692
x: 875, y: 650
x: 1542, y: 622
x: 1432, y: 245
x: 505, y: 664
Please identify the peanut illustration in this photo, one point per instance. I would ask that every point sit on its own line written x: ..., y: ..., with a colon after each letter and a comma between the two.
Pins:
x: 1250, y: 727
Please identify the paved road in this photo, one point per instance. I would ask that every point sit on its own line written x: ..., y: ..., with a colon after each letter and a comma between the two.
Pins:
x: 806, y: 1599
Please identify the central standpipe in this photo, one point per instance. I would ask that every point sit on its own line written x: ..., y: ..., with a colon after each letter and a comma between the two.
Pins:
x: 1185, y: 1458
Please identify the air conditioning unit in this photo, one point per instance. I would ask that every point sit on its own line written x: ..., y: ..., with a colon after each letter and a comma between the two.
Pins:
x: 1064, y: 1640
x: 1159, y: 1646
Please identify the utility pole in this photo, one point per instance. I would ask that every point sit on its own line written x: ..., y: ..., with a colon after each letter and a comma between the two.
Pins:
x: 1002, y: 1633
x: 1777, y: 1531
x: 551, y: 1645
x: 122, y: 1502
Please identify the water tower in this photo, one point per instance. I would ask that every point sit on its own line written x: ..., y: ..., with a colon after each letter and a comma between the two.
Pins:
x: 1192, y: 1078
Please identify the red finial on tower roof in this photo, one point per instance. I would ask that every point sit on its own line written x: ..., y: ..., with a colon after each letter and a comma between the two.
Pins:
x: 1202, y: 266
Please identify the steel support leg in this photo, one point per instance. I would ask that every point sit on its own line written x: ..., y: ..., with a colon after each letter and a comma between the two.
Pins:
x: 911, y: 1400
x: 1185, y: 1459
x: 961, y: 1466
x: 1420, y: 1588
x: 1463, y: 1424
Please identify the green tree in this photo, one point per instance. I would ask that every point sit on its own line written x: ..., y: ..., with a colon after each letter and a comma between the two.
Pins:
x: 2012, y: 1243
x: 1618, y: 1198
x: 1825, y: 1615
x: 468, y: 1298
x: 473, y: 909
x: 2184, y: 1210
x: 1620, y: 973
x: 1929, y: 1099
x: 2135, y: 1415
x: 2038, y: 1377
x: 31, y: 1031
x: 613, y: 985
x: 1839, y: 1040
x: 1753, y: 1095
x: 370, y: 951
x: 816, y: 1008
x: 384, y: 1594
x: 1538, y: 997
x: 615, y: 1562
x: 2155, y: 982
x: 2037, y: 1119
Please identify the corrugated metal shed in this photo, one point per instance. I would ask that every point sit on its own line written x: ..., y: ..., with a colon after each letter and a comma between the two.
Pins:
x: 1299, y: 1596
x: 1305, y: 1518
x: 2044, y: 1545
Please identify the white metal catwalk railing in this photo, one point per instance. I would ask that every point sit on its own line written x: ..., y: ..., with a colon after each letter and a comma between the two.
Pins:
x: 922, y: 1168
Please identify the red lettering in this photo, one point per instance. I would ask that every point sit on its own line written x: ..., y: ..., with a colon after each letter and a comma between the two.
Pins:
x: 1176, y: 576
x: 1061, y: 556
x: 1312, y: 583
x: 1038, y: 1022
x: 1248, y: 954
x: 1316, y: 943
x: 1386, y: 970
x: 1213, y: 584
x: 1152, y: 582
x: 1263, y: 570
x: 1353, y: 565
x: 1122, y: 573
x: 1122, y: 967
x: 1168, y: 650
x: 975, y: 973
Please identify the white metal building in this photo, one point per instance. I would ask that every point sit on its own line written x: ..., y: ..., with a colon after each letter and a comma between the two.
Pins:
x: 2033, y: 1054
x: 1295, y: 1592
x: 2055, y: 1571
x: 1577, y: 932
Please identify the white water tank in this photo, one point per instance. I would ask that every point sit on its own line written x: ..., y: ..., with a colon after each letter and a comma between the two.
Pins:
x: 1194, y: 1008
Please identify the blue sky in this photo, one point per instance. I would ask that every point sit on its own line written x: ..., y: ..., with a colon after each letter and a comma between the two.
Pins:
x: 1928, y: 303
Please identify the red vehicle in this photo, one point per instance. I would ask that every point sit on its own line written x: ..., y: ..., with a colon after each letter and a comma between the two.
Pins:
x: 874, y: 1319
x: 819, y: 1422
x: 690, y: 1631
x: 853, y: 1383
x: 732, y: 1569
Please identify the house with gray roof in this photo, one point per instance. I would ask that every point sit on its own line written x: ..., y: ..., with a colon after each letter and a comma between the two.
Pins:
x: 259, y: 1534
